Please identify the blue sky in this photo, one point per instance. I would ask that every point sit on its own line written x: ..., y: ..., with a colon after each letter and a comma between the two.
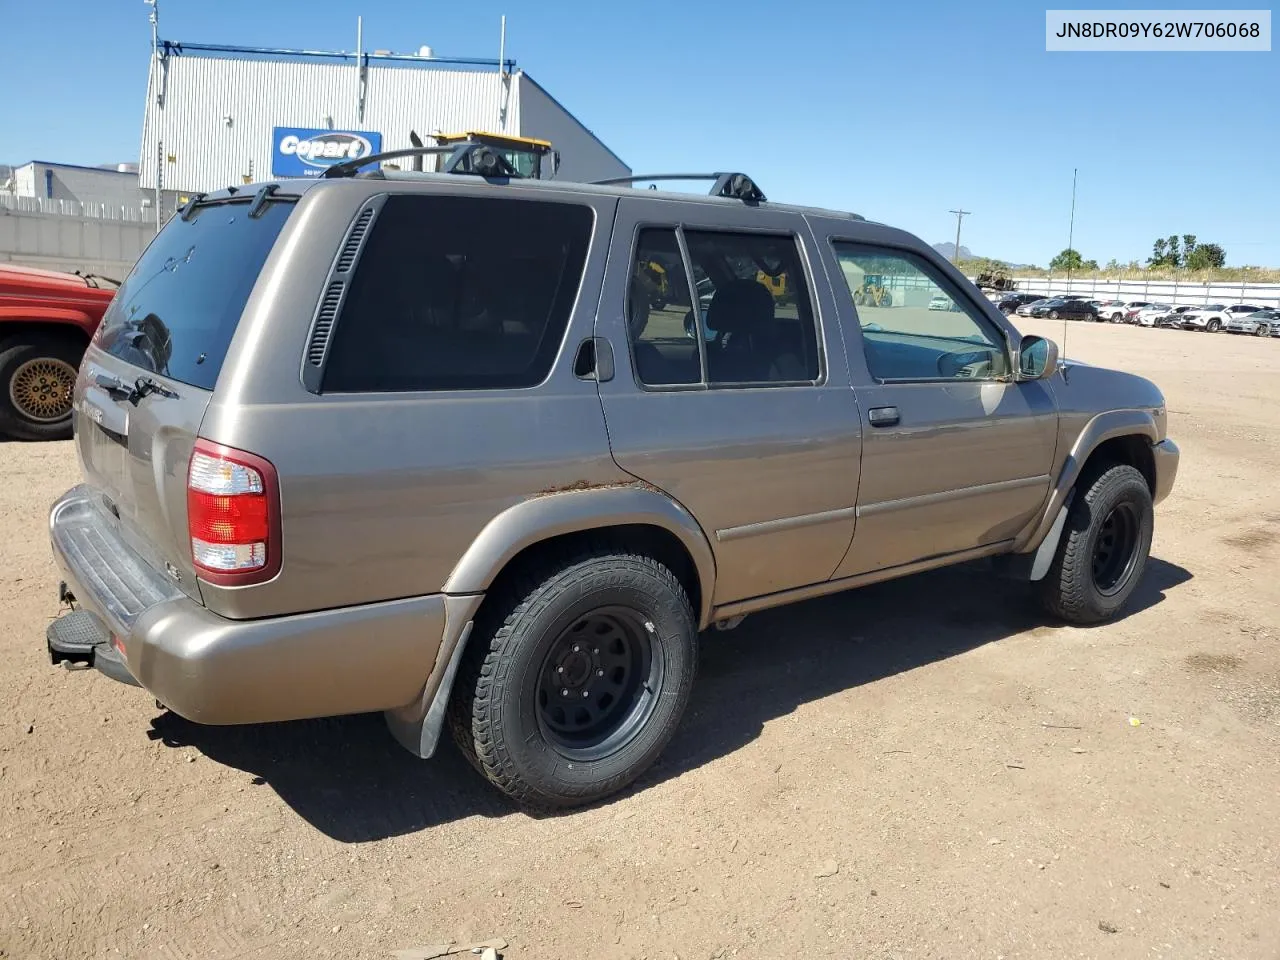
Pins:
x: 920, y: 107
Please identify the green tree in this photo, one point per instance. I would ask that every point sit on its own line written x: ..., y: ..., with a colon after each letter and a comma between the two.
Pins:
x: 1165, y: 252
x: 1068, y: 259
x: 1089, y: 265
x: 1207, y: 256
x: 1113, y: 264
x: 1188, y: 246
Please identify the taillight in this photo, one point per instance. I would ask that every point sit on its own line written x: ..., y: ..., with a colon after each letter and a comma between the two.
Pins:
x: 233, y: 515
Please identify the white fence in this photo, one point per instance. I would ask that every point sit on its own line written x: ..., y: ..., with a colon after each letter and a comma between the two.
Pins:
x: 75, y: 208
x: 1173, y: 292
x: 53, y: 240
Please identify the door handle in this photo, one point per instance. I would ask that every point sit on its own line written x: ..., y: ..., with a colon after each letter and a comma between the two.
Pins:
x: 883, y: 416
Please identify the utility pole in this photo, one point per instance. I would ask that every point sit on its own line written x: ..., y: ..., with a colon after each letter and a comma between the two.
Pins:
x: 960, y: 215
x: 155, y: 80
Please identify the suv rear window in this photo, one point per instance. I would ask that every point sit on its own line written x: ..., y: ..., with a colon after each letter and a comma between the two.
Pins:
x: 459, y: 293
x: 178, y: 309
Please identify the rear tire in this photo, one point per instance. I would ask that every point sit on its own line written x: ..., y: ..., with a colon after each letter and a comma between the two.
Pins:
x: 618, y: 631
x: 1053, y: 314
x: 1104, y: 548
x: 37, y: 373
x: 1214, y: 326
x: 1262, y: 330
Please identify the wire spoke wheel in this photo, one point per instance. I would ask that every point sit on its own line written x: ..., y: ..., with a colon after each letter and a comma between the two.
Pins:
x: 1115, y: 552
x: 40, y: 389
x: 598, y: 683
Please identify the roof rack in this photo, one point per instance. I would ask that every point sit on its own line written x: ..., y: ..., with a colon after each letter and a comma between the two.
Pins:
x: 471, y: 152
x: 736, y: 186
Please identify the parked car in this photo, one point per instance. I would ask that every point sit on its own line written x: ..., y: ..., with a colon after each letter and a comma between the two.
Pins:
x: 1115, y: 311
x: 942, y: 302
x: 1066, y: 309
x: 46, y: 320
x: 1110, y: 309
x: 1147, y: 316
x: 1026, y: 308
x: 1260, y: 323
x: 1172, y: 317
x: 1009, y: 302
x: 339, y: 463
x: 1213, y: 317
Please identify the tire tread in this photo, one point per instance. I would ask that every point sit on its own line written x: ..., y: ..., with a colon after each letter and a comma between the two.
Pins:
x: 520, y: 598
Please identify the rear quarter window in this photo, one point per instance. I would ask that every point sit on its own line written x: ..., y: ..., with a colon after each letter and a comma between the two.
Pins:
x: 176, y: 312
x: 459, y: 293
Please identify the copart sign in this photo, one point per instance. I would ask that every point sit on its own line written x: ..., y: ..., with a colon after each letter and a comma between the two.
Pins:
x: 307, y: 152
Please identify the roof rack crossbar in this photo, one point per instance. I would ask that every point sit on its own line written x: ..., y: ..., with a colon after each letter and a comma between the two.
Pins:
x: 737, y: 186
x: 466, y: 158
x: 348, y: 168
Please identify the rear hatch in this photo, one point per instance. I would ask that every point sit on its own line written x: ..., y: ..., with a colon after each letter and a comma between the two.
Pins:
x: 149, y: 374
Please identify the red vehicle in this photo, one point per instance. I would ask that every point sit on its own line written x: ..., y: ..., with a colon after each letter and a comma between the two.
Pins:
x: 46, y: 320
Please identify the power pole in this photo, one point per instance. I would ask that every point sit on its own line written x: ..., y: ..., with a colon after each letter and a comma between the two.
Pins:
x: 155, y: 78
x: 960, y: 215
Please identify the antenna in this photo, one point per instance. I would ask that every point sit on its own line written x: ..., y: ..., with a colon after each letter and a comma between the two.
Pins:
x: 1071, y: 232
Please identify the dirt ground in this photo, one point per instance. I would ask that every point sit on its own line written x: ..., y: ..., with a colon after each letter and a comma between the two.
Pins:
x: 926, y: 768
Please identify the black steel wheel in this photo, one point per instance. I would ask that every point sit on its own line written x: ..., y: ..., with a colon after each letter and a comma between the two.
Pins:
x: 598, y: 683
x: 576, y: 676
x: 1115, y: 549
x: 1104, y: 546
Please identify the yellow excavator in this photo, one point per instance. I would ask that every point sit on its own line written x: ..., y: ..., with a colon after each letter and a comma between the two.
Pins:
x: 526, y: 156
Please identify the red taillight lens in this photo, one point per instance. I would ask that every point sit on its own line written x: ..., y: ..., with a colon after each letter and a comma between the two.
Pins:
x: 232, y: 515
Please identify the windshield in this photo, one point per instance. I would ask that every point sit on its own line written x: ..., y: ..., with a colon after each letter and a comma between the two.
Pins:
x: 176, y: 312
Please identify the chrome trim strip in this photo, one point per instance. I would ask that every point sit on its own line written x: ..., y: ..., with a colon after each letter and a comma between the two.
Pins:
x: 924, y: 500
x: 785, y: 523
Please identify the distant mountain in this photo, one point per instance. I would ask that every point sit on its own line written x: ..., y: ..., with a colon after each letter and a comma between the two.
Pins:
x: 946, y: 248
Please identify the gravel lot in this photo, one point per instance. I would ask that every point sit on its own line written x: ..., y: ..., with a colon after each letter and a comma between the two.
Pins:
x: 924, y: 768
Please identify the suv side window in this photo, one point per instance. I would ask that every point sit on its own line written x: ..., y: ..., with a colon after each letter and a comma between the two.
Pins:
x: 753, y: 310
x: 659, y: 314
x: 459, y: 293
x: 903, y: 338
x: 753, y: 307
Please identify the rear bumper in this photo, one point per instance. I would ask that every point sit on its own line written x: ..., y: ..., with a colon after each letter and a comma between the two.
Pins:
x: 213, y: 670
x: 1166, y: 456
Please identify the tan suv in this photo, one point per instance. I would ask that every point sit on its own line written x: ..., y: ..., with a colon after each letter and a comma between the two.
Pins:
x: 494, y: 451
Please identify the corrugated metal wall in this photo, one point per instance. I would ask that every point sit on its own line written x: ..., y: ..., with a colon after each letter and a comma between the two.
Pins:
x: 203, y: 151
x: 582, y: 155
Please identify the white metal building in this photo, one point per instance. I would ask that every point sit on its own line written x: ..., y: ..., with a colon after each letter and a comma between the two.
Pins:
x: 217, y: 116
x: 111, y: 190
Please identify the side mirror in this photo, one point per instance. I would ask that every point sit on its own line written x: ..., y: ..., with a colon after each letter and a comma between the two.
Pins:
x: 1037, y: 358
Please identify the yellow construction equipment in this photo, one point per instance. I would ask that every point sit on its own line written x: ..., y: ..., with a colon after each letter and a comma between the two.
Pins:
x: 873, y: 292
x: 528, y: 156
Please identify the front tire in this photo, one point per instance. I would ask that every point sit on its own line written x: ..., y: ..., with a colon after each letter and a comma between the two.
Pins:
x: 1262, y: 330
x: 1104, y: 548
x: 576, y: 677
x: 37, y: 374
x: 1053, y: 314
